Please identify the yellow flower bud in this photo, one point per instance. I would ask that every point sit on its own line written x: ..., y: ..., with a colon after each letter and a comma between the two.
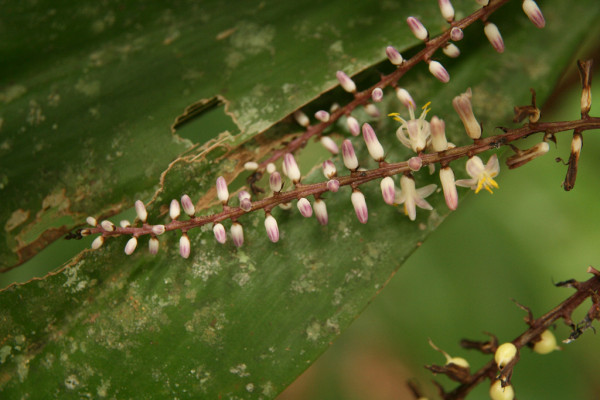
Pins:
x: 505, y: 353
x: 458, y: 361
x: 497, y: 392
x: 547, y: 344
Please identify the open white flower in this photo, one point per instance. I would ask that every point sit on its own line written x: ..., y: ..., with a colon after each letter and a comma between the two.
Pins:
x: 414, y: 133
x: 481, y: 175
x: 412, y: 197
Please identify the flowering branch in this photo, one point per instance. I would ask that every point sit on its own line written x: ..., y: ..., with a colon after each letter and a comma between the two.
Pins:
x: 537, y: 336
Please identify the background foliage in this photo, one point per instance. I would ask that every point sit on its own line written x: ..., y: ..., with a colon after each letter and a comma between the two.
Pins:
x: 86, y: 129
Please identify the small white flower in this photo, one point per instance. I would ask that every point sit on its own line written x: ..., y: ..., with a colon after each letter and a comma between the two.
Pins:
x: 412, y: 197
x: 481, y: 175
x: 414, y: 133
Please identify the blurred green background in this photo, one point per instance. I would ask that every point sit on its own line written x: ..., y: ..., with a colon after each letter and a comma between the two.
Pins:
x: 512, y: 244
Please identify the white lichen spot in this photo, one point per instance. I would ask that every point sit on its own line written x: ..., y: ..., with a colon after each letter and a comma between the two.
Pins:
x: 268, y: 389
x: 71, y: 382
x: 22, y: 363
x: 332, y: 325
x: 337, y: 297
x: 313, y: 332
x: 171, y: 37
x: 202, y: 375
x: 239, y: 370
x: 35, y: 115
x: 16, y: 218
x: 249, y: 39
x: 250, y: 387
x: 4, y: 353
x: 1, y: 122
x: 53, y: 99
x: 12, y: 92
x: 102, y: 390
x: 88, y: 88
x: 337, y: 47
x: 241, y: 278
x: 73, y: 282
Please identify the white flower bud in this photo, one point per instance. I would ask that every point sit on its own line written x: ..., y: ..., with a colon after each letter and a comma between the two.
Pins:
x: 333, y: 185
x: 372, y: 110
x: 222, y: 191
x: 449, y: 187
x: 493, y: 34
x: 405, y: 98
x: 373, y: 145
x: 415, y: 163
x: 174, y: 209
x: 464, y: 109
x: 188, y: 206
x: 91, y: 221
x: 322, y: 115
x: 451, y: 50
x: 329, y: 145
x: 107, y: 225
x: 184, y: 246
x: 505, y: 353
x: 291, y: 167
x: 304, y: 207
x: 124, y: 223
x: 271, y: 168
x: 237, y: 234
x: 547, y: 344
x: 483, y: 2
x: 534, y: 13
x: 447, y: 10
x: 301, y: 118
x: 220, y: 234
x: 393, y: 55
x: 349, y: 156
x: 497, y: 392
x: 272, y: 228
x: 329, y: 169
x: 98, y: 242
x: 251, y: 166
x: 140, y: 210
x: 360, y: 206
x: 153, y: 245
x: 353, y: 125
x: 456, y: 34
x: 388, y: 190
x: 417, y: 28
x: 377, y: 95
x: 439, y: 71
x: 275, y: 182
x: 158, y: 229
x: 131, y: 245
x: 320, y: 210
x: 438, y: 134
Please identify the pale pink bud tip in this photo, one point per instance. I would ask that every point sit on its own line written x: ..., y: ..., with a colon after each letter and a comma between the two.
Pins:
x: 301, y: 119
x: 130, y: 246
x: 449, y: 187
x: 188, y: 206
x: 405, y: 98
x: 290, y: 167
x: 98, y: 242
x: 393, y: 55
x: 377, y: 95
x: 158, y: 229
x: 107, y: 225
x: 219, y: 231
x: 451, y: 50
x: 184, y: 246
x: 251, y: 166
x: 373, y: 145
x: 321, y: 211
x: 415, y: 163
x: 349, y: 156
x: 333, y: 185
x: 534, y: 13
x: 439, y: 71
x: 275, y: 182
x: 153, y: 245
x: 353, y: 126
x: 245, y: 203
x: 272, y: 228
x: 388, y: 190
x: 464, y: 109
x: 447, y: 10
x: 222, y: 191
x: 305, y: 208
x: 322, y: 115
x: 237, y: 234
x: 329, y: 169
x: 360, y: 206
x: 124, y: 223
x: 91, y: 221
x: 493, y: 34
x: 347, y: 84
x: 456, y: 34
x: 438, y: 134
x: 329, y: 145
x: 140, y: 210
x: 417, y: 28
x: 372, y: 110
x: 174, y: 209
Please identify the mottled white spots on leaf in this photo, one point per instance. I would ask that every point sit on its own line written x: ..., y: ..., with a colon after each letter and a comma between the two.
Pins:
x: 12, y: 92
x: 207, y: 323
x: 88, y: 88
x: 268, y: 389
x: 16, y: 218
x: 71, y: 382
x: 239, y: 370
x: 35, y: 115
x: 313, y: 332
x: 250, y: 387
x: 241, y: 278
x: 22, y: 363
x: 4, y: 353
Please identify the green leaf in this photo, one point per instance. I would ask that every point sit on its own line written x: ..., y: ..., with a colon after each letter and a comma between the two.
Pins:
x: 245, y: 322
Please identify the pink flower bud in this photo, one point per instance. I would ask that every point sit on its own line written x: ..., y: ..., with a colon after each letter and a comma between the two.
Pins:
x: 322, y: 115
x: 140, y: 210
x: 237, y: 234
x: 124, y: 223
x: 353, y: 126
x: 184, y: 246
x: 153, y: 245
x: 449, y: 187
x: 377, y: 95
x: 91, y: 221
x: 417, y: 28
x: 222, y: 191
x: 158, y: 229
x: 347, y: 84
x: 438, y: 134
x: 333, y: 185
x: 329, y: 145
x: 415, y: 163
x: 360, y: 206
x: 188, y: 206
x: 275, y: 182
x: 174, y: 209
x: 349, y: 156
x: 456, y: 34
x: 107, y: 226
x: 388, y: 190
x: 373, y: 145
x: 291, y: 167
x: 451, y: 50
x: 304, y: 207
x: 494, y: 36
x: 372, y: 110
x: 130, y: 246
x: 321, y: 211
x: 393, y: 55
x: 439, y: 71
x: 220, y: 234
x: 464, y: 109
x: 245, y: 203
x: 534, y: 13
x: 272, y: 228
x: 98, y: 242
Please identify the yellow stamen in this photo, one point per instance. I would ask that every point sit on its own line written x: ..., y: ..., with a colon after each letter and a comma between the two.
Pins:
x: 486, y: 182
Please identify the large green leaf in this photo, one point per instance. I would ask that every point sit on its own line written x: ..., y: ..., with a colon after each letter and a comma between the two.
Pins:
x: 245, y: 322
